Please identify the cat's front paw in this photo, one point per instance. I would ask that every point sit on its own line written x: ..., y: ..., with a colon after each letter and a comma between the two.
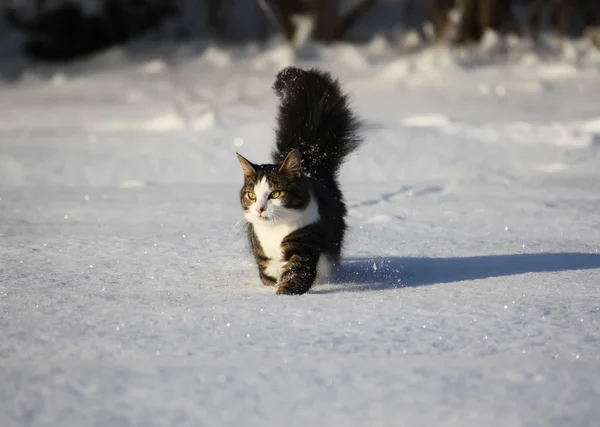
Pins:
x: 267, y: 280
x: 292, y: 289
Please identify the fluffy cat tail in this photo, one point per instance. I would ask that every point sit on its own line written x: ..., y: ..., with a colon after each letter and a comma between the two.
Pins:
x: 314, y: 118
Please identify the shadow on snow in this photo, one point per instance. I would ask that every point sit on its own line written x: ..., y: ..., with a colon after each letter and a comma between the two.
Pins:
x: 379, y: 273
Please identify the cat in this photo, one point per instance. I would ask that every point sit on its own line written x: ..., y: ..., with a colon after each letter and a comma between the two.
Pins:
x: 294, y: 207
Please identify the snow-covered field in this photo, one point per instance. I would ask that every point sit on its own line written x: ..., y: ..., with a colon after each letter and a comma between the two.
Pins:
x: 470, y: 292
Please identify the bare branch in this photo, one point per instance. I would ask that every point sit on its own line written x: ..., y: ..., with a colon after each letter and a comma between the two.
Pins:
x: 287, y: 30
x: 268, y: 11
x: 353, y: 16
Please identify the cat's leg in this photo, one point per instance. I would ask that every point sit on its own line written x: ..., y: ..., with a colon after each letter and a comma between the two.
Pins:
x: 301, y: 250
x: 264, y: 276
x: 324, y: 269
x: 264, y: 272
x: 261, y: 260
x: 298, y: 275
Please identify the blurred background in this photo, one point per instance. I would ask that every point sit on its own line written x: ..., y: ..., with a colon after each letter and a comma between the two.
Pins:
x: 61, y: 30
x: 481, y: 70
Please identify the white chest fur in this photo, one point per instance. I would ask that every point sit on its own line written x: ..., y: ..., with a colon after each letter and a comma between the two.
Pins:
x: 271, y: 235
x: 270, y: 238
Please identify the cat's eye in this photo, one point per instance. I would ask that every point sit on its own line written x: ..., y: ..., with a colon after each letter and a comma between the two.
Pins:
x: 251, y: 195
x: 275, y: 195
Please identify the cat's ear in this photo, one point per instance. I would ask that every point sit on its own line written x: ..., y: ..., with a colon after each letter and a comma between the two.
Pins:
x: 292, y: 164
x: 247, y: 167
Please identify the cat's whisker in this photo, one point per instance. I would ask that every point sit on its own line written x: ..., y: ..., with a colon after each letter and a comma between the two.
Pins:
x: 237, y: 225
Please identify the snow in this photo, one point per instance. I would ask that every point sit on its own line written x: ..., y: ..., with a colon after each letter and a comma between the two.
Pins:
x: 469, y: 291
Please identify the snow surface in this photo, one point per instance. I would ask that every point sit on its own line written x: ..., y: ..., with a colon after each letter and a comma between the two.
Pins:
x: 470, y: 290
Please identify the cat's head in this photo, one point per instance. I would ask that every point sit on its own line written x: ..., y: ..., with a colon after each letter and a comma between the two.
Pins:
x: 274, y: 194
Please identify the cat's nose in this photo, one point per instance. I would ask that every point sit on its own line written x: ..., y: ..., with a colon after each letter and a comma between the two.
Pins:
x: 260, y: 211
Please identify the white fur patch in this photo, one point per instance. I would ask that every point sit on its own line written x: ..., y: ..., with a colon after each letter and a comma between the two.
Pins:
x: 324, y: 268
x: 262, y: 189
x: 275, y: 268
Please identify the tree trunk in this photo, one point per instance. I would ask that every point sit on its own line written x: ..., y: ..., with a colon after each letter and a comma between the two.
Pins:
x: 469, y: 29
x: 326, y: 19
x: 354, y: 16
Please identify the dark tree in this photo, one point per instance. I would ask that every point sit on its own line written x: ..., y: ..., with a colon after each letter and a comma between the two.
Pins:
x: 66, y: 32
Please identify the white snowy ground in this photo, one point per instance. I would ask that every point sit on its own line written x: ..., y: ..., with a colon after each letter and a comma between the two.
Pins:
x: 470, y: 293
